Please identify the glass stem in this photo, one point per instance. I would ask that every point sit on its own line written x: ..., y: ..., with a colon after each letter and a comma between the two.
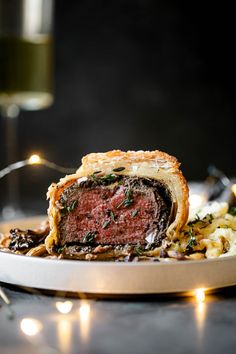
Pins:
x: 10, y: 114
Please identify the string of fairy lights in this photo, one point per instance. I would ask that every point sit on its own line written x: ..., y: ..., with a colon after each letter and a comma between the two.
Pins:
x: 34, y: 160
x: 67, y: 311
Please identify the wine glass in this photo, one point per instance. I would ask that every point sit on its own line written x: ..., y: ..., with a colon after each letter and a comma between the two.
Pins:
x: 26, y: 74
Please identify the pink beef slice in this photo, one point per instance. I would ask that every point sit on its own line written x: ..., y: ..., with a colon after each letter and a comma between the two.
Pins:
x: 124, y: 212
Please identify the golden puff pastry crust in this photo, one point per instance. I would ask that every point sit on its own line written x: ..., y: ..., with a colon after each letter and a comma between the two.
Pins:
x: 150, y: 164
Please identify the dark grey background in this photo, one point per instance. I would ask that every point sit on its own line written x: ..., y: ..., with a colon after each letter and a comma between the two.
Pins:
x: 137, y: 75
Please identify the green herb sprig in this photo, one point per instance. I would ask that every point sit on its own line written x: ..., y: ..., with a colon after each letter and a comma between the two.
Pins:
x: 232, y: 211
x: 134, y: 213
x: 112, y: 215
x: 138, y: 250
x: 89, y: 237
x: 105, y: 224
x: 128, y: 200
x: 192, y: 241
x: 201, y: 223
x: 70, y: 208
x: 61, y: 249
x: 107, y: 179
x: 95, y: 177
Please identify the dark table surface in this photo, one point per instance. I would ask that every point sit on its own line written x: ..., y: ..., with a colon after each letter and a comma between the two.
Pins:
x: 132, y: 325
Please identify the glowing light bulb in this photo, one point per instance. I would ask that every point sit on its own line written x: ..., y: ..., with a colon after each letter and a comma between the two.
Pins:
x: 34, y: 159
x: 200, y: 295
x: 30, y: 326
x: 64, y: 307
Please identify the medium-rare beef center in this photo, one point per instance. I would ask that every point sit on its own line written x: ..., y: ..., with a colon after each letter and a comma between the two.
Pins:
x: 114, y: 209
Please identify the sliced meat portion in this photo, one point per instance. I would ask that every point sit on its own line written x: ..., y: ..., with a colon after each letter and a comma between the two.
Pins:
x: 114, y: 211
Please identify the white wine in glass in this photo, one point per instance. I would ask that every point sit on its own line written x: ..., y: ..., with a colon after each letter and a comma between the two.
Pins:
x: 26, y: 73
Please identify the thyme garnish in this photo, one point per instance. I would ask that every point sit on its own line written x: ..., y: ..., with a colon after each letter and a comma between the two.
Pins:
x: 134, y: 213
x: 138, y: 250
x: 94, y: 176
x: 192, y: 241
x: 109, y: 178
x: 89, y: 237
x: 128, y: 193
x: 105, y: 224
x: 128, y: 200
x: 112, y: 215
x: 207, y: 220
x: 118, y: 169
x: 232, y: 211
x: 197, y: 218
x: 61, y: 249
x: 70, y: 208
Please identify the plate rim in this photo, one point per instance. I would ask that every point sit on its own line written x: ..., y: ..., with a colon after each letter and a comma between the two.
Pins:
x: 121, y: 264
x: 115, y: 278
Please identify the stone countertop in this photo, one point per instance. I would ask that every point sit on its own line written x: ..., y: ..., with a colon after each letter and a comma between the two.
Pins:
x: 104, y: 326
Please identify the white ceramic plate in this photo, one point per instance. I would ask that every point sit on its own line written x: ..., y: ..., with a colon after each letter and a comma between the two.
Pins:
x: 113, y: 278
